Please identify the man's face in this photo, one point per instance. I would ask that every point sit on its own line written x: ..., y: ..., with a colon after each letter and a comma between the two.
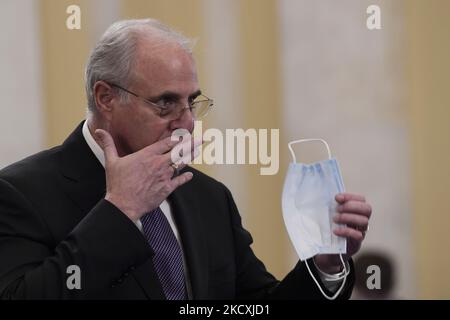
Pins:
x: 164, y: 73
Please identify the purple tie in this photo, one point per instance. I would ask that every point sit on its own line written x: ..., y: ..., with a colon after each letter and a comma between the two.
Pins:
x: 168, y: 258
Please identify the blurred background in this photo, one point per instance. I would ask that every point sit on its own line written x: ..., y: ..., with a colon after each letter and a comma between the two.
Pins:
x: 311, y: 68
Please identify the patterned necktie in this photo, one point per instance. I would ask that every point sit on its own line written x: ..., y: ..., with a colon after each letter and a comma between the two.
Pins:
x: 168, y: 258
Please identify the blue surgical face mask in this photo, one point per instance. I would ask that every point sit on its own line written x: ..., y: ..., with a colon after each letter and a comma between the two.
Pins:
x: 309, y: 205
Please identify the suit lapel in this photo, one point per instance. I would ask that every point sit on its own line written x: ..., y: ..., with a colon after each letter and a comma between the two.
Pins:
x: 187, y: 217
x: 84, y: 176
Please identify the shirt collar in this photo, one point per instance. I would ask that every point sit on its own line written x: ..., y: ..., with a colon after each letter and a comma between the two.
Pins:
x: 98, y: 152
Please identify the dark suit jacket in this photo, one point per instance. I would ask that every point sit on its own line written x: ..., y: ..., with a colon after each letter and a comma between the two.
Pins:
x: 53, y: 215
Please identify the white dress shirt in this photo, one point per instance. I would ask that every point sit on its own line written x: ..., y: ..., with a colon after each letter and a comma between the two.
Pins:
x: 327, y: 279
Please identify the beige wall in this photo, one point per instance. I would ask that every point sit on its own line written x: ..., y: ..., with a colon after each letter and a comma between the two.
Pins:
x: 261, y: 107
x: 64, y: 57
x: 21, y: 115
x: 429, y: 66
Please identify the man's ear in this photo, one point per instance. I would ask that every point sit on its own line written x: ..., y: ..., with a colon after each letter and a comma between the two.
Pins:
x: 104, y: 98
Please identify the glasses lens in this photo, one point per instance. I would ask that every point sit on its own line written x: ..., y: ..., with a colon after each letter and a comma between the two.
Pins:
x: 201, y: 108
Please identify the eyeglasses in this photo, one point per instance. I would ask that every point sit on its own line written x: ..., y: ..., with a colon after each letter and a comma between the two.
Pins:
x: 171, y: 110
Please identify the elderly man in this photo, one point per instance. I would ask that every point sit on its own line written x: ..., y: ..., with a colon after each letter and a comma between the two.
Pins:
x: 113, y: 204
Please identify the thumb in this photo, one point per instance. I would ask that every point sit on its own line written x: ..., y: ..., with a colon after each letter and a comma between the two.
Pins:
x: 106, y: 142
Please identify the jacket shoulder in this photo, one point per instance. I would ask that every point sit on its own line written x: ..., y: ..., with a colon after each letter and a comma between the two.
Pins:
x: 203, y: 181
x: 37, y: 167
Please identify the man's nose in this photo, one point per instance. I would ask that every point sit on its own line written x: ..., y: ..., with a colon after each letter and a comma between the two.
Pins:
x: 184, y: 121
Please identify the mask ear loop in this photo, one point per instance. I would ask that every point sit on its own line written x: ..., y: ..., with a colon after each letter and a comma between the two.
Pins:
x: 343, y: 278
x: 294, y: 158
x: 346, y: 272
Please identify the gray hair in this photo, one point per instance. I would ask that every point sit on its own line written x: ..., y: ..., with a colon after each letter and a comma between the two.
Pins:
x: 113, y: 58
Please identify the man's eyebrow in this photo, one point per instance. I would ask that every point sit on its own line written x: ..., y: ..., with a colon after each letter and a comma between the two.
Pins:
x: 170, y: 95
x: 195, y: 94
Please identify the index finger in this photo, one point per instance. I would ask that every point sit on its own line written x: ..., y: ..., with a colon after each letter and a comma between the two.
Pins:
x: 346, y: 196
x: 162, y: 146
